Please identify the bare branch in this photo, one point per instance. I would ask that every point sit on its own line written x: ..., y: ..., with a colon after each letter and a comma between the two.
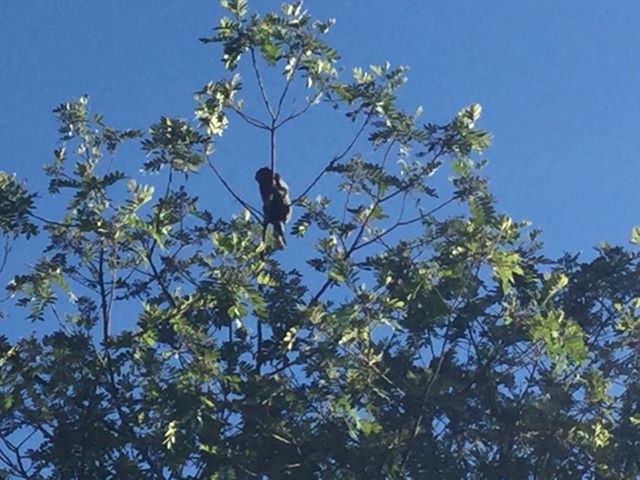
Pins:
x: 405, y: 222
x: 250, y: 120
x: 261, y: 87
x: 104, y: 301
x: 5, y: 255
x: 252, y: 210
x: 272, y: 151
x: 295, y: 115
x: 334, y: 160
x: 48, y: 222
x: 286, y: 87
x: 321, y: 291
x: 18, y: 466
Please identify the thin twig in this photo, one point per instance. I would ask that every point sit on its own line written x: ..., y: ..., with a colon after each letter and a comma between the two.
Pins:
x: 261, y: 87
x: 347, y: 254
x: 333, y: 161
x: 104, y: 303
x: 48, y: 222
x: 323, y: 289
x: 250, y: 120
x: 286, y: 87
x: 18, y: 467
x: 252, y: 210
x: 405, y: 222
x: 345, y: 209
x: 272, y: 152
x: 295, y: 115
x: 163, y: 286
x: 5, y: 255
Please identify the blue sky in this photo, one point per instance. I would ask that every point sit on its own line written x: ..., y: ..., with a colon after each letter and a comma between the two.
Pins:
x: 558, y: 81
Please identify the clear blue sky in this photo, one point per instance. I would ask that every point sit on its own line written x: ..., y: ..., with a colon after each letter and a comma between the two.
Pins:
x: 559, y: 82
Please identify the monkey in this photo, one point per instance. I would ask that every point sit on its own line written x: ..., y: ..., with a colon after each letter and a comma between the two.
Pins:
x: 276, y: 204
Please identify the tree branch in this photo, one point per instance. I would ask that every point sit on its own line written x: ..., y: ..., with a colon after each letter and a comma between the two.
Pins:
x: 250, y: 120
x: 104, y: 304
x: 334, y: 160
x: 405, y: 222
x: 252, y: 210
x: 294, y: 115
x: 286, y: 87
x: 261, y: 87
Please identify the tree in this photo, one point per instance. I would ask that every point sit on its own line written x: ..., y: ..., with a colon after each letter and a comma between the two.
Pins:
x: 427, y: 336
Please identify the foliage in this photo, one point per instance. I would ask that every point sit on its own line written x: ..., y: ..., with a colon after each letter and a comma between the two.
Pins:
x: 426, y: 337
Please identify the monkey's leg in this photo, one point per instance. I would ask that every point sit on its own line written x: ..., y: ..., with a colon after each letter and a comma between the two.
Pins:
x: 278, y: 230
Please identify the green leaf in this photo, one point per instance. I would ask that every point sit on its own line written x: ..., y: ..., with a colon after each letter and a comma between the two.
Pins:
x: 555, y: 282
x: 271, y: 52
x: 170, y: 435
x: 505, y: 265
x: 237, y: 7
x: 265, y: 278
x: 601, y: 435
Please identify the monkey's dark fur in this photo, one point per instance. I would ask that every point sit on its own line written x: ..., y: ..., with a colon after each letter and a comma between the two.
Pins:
x: 276, y: 204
